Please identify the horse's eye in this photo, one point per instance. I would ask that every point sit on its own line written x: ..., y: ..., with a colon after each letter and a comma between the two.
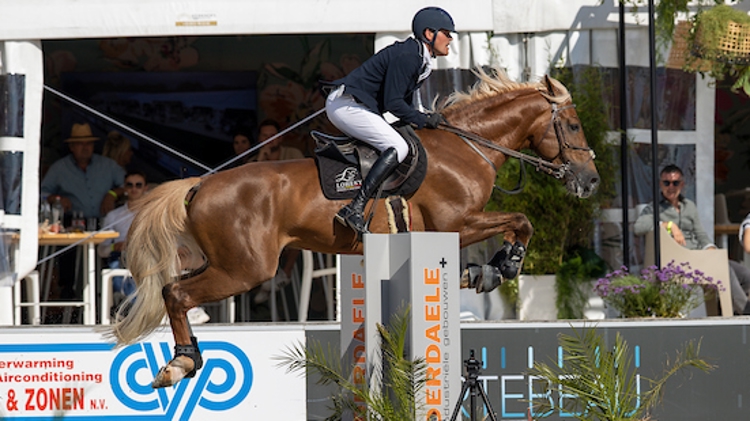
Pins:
x: 574, y: 127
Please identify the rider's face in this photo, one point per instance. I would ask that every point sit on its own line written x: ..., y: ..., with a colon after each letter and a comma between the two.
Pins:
x: 441, y: 46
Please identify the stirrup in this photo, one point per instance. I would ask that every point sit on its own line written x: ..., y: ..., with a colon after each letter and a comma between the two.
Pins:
x: 354, y: 220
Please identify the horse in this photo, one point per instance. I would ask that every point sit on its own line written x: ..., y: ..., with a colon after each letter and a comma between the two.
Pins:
x: 228, y: 229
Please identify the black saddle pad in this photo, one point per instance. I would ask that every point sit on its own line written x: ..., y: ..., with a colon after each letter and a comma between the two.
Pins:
x: 340, y: 161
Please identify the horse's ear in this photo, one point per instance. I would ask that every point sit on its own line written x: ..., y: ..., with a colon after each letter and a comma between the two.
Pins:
x: 550, y: 87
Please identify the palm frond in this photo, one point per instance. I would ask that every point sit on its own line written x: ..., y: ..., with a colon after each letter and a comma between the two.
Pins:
x: 400, y: 379
x: 601, y: 383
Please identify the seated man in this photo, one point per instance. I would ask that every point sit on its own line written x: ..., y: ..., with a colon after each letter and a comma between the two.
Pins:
x: 84, y: 181
x: 679, y: 216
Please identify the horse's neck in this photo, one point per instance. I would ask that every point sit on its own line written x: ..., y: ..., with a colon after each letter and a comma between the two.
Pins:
x: 507, y: 119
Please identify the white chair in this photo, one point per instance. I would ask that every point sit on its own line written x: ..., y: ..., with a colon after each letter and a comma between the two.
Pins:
x: 714, y: 263
x: 226, y: 306
x: 107, y: 295
x: 33, y: 295
x: 308, y: 274
x: 31, y: 281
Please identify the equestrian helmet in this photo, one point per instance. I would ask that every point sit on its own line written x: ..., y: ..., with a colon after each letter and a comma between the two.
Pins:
x: 433, y: 18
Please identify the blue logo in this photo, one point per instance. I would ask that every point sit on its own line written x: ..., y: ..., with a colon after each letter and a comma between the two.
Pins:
x: 218, y: 385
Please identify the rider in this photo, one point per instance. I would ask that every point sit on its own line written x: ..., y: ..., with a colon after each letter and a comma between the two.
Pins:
x: 388, y: 81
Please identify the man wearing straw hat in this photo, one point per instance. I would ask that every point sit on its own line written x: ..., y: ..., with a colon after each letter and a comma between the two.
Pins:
x: 85, y: 182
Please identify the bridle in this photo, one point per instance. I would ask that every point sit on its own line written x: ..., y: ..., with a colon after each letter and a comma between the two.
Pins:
x: 558, y: 171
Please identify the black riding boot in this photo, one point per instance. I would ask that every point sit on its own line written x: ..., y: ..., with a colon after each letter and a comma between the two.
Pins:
x: 351, y: 215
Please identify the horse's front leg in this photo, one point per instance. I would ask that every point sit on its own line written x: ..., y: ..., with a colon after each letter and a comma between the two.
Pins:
x: 506, y: 263
x: 480, y: 226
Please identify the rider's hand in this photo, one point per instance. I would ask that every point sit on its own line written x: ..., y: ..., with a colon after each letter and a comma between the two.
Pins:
x: 434, y: 120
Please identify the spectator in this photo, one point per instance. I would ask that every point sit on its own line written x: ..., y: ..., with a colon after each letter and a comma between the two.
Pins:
x: 118, y: 148
x: 85, y: 182
x: 113, y: 250
x: 273, y: 151
x: 744, y: 234
x: 119, y: 220
x: 241, y: 141
x: 679, y: 216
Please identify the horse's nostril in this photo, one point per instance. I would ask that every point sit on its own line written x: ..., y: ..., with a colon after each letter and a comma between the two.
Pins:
x: 594, y: 181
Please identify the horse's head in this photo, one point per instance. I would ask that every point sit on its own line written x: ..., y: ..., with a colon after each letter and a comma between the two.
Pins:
x: 563, y: 142
x: 539, y: 116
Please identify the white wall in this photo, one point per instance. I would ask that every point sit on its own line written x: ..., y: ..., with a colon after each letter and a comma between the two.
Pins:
x: 49, y: 19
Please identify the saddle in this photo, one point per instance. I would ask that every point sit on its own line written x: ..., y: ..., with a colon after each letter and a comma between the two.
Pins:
x: 343, y: 162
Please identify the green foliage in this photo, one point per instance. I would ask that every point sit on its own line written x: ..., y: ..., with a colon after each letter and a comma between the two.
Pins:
x: 666, y: 292
x: 600, y: 384
x: 561, y: 220
x: 400, y: 379
x: 708, y: 29
x: 666, y: 12
x: 574, y: 281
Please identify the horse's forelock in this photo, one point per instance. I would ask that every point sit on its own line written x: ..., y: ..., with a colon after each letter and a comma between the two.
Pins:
x: 498, y: 82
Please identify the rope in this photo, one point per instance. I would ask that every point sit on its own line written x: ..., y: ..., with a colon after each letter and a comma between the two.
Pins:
x: 208, y: 169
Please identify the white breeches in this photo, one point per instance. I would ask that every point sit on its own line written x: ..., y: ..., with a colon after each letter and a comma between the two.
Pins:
x: 356, y: 120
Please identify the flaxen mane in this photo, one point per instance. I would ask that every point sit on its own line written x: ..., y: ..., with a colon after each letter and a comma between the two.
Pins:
x: 497, y: 82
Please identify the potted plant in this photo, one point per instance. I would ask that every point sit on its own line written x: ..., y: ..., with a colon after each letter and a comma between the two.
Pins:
x: 672, y: 291
x: 600, y: 383
x: 720, y: 39
x: 401, y: 379
x: 561, y: 221
x: 574, y: 280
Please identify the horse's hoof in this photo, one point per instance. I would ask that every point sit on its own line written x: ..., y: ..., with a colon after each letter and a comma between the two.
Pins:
x: 173, y: 372
x: 470, y: 276
x: 491, y: 279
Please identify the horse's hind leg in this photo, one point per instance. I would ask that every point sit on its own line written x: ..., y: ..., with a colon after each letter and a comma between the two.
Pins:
x: 179, y: 297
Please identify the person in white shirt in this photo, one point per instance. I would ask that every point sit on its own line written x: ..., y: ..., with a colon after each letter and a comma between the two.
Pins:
x: 114, y: 249
x: 119, y: 220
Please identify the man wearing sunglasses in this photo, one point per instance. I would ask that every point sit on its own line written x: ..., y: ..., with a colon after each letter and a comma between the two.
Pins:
x: 119, y: 220
x: 679, y: 216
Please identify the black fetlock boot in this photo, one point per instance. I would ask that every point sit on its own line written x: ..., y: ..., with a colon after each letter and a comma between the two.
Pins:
x: 352, y: 215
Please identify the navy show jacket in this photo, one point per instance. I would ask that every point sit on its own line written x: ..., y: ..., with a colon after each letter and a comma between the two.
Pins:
x: 387, y: 81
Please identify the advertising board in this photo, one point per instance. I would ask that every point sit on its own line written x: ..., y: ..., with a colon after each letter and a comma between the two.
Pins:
x: 49, y: 373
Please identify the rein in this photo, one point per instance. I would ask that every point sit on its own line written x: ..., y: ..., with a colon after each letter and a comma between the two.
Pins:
x: 555, y: 170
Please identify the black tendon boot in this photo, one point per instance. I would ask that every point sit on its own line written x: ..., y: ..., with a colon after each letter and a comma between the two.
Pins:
x: 351, y: 215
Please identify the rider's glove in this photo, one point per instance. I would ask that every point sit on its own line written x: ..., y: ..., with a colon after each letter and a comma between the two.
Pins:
x: 434, y: 120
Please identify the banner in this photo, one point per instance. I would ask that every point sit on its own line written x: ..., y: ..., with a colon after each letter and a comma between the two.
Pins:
x: 78, y: 376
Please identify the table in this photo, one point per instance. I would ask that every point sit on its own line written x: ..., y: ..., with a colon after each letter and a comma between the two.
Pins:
x: 721, y: 231
x: 89, y: 240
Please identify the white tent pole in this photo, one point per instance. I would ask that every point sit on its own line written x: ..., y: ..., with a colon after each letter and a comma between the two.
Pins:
x: 24, y: 58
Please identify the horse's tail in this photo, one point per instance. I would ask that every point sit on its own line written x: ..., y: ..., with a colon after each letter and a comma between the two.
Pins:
x: 152, y: 258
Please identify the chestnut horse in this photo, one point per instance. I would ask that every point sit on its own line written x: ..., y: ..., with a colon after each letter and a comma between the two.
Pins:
x: 235, y: 224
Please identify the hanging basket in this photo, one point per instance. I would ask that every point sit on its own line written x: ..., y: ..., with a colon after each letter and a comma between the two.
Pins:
x: 722, y: 35
x: 732, y: 47
x: 680, y: 54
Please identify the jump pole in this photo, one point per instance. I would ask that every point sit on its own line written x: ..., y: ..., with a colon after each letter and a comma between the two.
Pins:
x: 419, y: 269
